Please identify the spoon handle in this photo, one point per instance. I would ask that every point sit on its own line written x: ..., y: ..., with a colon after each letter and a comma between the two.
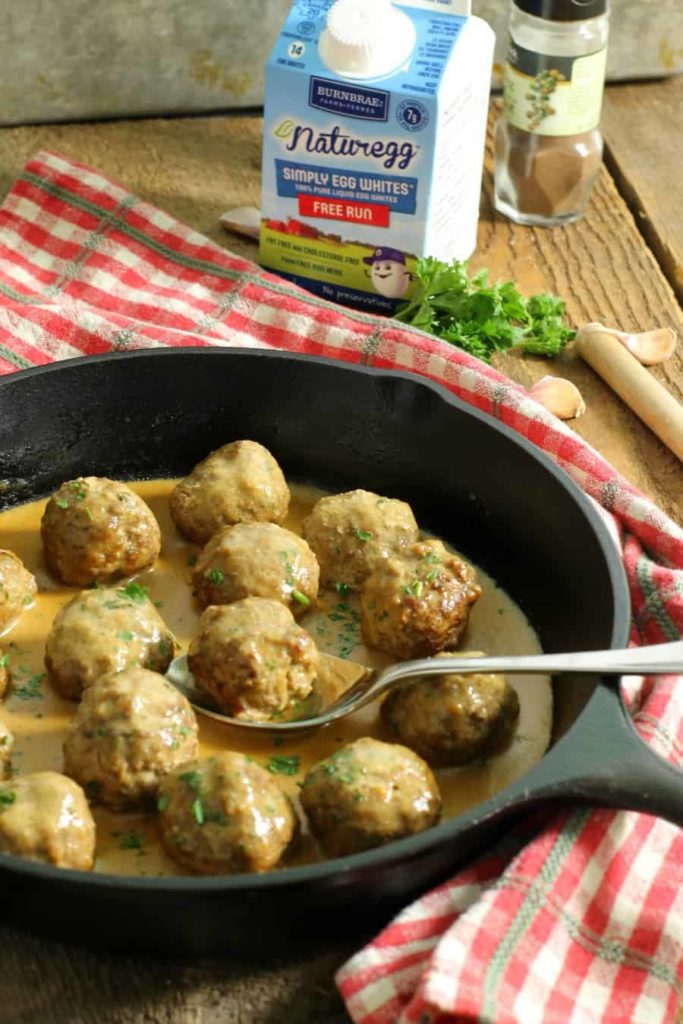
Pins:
x: 653, y: 660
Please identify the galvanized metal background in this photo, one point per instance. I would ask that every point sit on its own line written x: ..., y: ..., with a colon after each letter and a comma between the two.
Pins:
x: 69, y: 59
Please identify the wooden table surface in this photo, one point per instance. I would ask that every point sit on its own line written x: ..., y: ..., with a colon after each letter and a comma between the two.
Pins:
x: 622, y: 265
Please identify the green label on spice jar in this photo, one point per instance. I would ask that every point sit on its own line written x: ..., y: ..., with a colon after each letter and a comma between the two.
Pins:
x: 550, y: 95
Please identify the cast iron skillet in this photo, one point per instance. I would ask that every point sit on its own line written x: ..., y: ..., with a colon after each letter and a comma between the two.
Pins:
x: 469, y: 479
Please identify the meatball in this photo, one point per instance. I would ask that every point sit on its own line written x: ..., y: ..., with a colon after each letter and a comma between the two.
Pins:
x: 257, y: 560
x: 252, y: 658
x: 6, y: 746
x: 353, y: 533
x: 45, y: 816
x: 239, y: 483
x: 368, y: 793
x: 453, y: 719
x: 224, y: 815
x: 130, y: 729
x: 418, y: 603
x: 106, y: 630
x: 17, y: 589
x: 95, y: 529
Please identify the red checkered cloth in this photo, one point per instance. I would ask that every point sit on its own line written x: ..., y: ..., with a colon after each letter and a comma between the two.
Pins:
x: 574, y: 920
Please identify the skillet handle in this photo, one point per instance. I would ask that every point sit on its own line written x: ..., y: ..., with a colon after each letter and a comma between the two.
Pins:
x: 607, y: 764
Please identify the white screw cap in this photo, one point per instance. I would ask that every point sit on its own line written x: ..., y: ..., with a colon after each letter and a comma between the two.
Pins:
x: 366, y: 38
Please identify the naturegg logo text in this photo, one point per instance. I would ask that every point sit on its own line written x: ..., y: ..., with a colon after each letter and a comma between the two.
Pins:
x: 337, y: 143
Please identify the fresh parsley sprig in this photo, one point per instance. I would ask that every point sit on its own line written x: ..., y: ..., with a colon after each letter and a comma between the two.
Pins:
x: 480, y: 317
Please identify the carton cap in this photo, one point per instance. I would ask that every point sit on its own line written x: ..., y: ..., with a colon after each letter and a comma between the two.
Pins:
x: 366, y: 38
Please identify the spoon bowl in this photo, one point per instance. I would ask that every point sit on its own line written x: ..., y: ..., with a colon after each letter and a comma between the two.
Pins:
x: 345, y: 686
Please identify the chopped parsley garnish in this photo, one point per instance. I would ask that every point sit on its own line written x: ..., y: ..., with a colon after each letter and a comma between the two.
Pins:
x: 349, y: 629
x: 301, y: 598
x: 198, y: 811
x: 135, y: 591
x: 363, y: 535
x: 31, y: 688
x: 163, y: 802
x: 433, y: 575
x: 343, y: 766
x: 432, y: 558
x: 192, y: 560
x: 125, y: 634
x: 7, y: 797
x: 193, y: 779
x: 282, y: 764
x: 343, y: 589
x: 61, y: 503
x: 78, y: 489
x: 4, y: 661
x: 130, y: 840
x: 216, y: 576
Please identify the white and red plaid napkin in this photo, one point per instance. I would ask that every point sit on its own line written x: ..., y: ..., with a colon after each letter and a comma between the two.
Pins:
x: 576, y: 919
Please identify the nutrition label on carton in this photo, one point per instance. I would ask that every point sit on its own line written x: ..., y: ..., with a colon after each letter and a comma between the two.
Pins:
x: 375, y: 117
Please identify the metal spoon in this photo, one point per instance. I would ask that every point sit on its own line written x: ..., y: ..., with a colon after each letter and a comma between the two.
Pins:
x: 356, y: 685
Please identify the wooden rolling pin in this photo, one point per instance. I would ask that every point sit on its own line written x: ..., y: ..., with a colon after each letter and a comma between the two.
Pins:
x: 634, y: 384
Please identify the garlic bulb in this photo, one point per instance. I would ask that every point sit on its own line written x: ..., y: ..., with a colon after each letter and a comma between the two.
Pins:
x: 559, y: 396
x: 649, y: 347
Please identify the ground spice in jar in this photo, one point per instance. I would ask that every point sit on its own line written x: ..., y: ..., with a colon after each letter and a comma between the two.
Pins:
x: 549, y: 176
x: 548, y: 147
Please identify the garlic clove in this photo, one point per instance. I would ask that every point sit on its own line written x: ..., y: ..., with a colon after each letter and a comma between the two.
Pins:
x: 649, y: 347
x: 244, y: 220
x: 559, y: 396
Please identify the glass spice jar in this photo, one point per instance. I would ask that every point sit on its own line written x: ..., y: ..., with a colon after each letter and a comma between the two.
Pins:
x: 548, y: 147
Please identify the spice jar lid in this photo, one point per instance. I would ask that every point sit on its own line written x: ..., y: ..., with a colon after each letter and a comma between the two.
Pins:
x: 563, y: 10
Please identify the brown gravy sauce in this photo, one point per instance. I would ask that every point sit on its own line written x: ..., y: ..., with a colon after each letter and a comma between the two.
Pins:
x: 128, y: 844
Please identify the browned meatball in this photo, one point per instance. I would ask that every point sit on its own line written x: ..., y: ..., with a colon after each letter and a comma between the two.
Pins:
x: 239, y: 483
x: 224, y: 815
x: 129, y: 730
x: 252, y: 658
x: 453, y: 719
x: 367, y: 794
x: 257, y: 560
x: 418, y: 603
x: 45, y: 817
x: 17, y: 589
x: 6, y: 747
x: 353, y: 533
x: 95, y: 529
x: 102, y: 631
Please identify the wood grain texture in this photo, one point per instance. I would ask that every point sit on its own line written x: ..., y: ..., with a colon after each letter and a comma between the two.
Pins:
x: 196, y: 169
x: 606, y: 272
x: 643, y: 128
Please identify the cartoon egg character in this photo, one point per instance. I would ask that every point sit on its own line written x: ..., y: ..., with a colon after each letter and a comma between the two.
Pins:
x: 388, y: 272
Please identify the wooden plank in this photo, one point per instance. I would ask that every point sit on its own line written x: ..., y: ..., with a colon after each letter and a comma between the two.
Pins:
x: 643, y: 128
x: 605, y: 271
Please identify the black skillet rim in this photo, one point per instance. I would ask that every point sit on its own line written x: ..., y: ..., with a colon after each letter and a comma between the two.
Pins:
x: 400, y: 850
